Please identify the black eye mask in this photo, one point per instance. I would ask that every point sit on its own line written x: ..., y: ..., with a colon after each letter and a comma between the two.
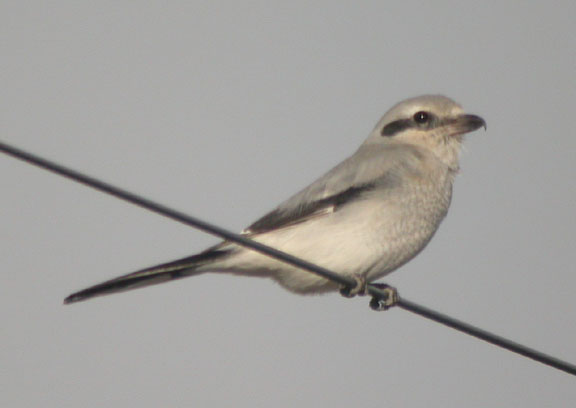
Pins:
x: 421, y: 119
x: 397, y: 126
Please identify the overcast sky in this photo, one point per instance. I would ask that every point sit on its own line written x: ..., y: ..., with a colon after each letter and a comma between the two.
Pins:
x: 222, y: 110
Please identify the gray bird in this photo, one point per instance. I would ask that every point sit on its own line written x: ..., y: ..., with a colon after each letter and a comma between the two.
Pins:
x: 366, y: 217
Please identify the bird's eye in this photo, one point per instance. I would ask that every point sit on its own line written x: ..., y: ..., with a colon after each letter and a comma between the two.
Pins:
x: 421, y: 117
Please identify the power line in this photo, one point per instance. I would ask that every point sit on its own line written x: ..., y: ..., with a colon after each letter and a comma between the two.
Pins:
x: 375, y: 291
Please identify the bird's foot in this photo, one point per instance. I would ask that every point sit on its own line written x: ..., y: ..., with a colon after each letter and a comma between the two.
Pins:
x: 359, y: 288
x: 379, y: 303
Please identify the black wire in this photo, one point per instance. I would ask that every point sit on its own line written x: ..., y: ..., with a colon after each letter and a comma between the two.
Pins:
x: 487, y: 336
x: 274, y: 253
x: 171, y: 213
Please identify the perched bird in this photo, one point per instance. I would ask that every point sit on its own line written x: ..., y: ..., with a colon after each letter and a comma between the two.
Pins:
x: 366, y: 217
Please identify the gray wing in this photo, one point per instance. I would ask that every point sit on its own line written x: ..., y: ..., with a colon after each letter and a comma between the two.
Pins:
x: 369, y: 168
x: 281, y: 218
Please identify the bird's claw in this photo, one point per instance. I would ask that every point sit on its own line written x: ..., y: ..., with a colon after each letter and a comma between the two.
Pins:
x: 378, y: 303
x: 359, y: 288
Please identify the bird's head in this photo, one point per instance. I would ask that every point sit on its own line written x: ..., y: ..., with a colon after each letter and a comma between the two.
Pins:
x: 433, y: 122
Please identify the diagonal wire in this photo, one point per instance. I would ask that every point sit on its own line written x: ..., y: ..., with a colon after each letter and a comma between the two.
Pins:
x: 282, y: 256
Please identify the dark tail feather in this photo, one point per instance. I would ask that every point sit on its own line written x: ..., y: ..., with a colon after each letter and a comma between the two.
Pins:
x: 165, y: 272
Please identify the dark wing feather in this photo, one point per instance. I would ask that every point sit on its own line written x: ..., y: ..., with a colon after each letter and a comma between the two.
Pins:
x: 282, y: 218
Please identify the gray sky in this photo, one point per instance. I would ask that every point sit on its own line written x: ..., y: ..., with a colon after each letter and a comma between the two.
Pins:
x: 223, y: 109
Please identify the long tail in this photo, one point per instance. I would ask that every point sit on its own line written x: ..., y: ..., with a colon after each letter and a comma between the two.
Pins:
x: 165, y: 272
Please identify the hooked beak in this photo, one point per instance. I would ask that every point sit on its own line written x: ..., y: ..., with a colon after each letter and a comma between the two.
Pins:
x: 466, y: 123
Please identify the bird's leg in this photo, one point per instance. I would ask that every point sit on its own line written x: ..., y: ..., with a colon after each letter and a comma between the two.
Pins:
x: 379, y: 304
x: 359, y: 287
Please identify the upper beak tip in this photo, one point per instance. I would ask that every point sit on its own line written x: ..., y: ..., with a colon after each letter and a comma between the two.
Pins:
x: 478, y: 122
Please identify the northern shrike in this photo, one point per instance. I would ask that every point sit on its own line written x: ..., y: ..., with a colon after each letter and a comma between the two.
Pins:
x: 366, y: 217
